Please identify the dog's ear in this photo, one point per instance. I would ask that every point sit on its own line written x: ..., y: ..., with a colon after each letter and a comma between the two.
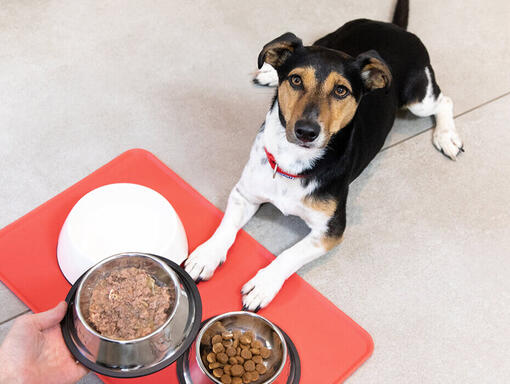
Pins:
x: 277, y: 51
x: 374, y: 72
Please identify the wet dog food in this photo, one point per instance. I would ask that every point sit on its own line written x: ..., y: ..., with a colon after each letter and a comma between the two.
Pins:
x: 236, y: 357
x: 129, y: 304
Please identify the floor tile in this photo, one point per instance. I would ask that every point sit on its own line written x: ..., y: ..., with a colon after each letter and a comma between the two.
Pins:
x: 11, y: 305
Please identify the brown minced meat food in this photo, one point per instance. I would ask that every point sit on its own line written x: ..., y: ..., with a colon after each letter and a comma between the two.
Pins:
x: 129, y: 304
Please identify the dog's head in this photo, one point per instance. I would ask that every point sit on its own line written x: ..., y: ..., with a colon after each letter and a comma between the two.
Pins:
x: 319, y: 89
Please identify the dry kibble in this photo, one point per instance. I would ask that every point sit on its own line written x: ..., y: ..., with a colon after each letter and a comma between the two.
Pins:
x: 211, y: 357
x: 227, y: 343
x: 237, y: 370
x: 218, y: 347
x: 261, y: 368
x: 245, y: 354
x: 255, y: 351
x: 222, y: 357
x: 254, y: 376
x: 246, y: 378
x: 227, y: 335
x: 215, y: 365
x: 232, y: 360
x: 265, y: 352
x: 226, y: 379
x: 245, y: 339
x: 237, y: 380
x: 240, y: 360
x: 257, y: 359
x: 216, y: 339
x: 249, y: 366
x: 218, y: 372
x: 235, y: 344
x: 238, y: 350
x: 231, y: 351
x: 250, y: 334
x: 227, y: 368
x: 257, y: 344
x: 237, y: 334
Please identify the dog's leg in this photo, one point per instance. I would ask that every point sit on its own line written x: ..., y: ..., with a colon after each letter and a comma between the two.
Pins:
x: 266, y: 76
x: 445, y: 137
x: 261, y: 289
x: 204, y: 260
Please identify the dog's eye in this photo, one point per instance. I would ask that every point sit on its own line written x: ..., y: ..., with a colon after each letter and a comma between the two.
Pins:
x: 341, y: 91
x: 296, y: 81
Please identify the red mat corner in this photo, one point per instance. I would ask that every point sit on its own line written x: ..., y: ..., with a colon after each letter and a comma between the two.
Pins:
x: 330, y: 344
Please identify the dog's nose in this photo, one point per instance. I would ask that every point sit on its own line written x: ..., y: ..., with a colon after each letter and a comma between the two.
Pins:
x: 307, y: 130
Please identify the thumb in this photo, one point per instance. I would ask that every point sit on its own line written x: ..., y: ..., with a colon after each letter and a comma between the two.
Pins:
x: 50, y: 318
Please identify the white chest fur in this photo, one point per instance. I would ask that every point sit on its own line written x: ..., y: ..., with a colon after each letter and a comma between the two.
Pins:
x: 258, y: 184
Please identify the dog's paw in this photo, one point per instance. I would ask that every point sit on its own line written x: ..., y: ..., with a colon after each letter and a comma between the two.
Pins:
x: 266, y: 76
x: 259, y: 291
x: 204, y: 260
x: 448, y: 142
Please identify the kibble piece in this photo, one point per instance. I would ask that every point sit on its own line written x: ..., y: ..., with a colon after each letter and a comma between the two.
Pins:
x: 237, y: 370
x: 240, y: 360
x: 249, y: 366
x: 245, y: 339
x: 211, y: 357
x: 257, y: 344
x: 215, y: 365
x: 250, y: 334
x: 257, y: 359
x: 216, y: 339
x: 255, y: 351
x: 265, y: 353
x: 227, y: 343
x: 246, y: 354
x: 227, y: 335
x: 261, y: 368
x: 254, y: 376
x: 218, y: 372
x: 237, y: 380
x: 231, y: 351
x: 226, y: 379
x: 235, y: 344
x: 237, y: 334
x: 218, y: 347
x: 222, y: 357
x: 246, y: 378
x: 232, y: 360
x: 227, y: 369
x: 238, y: 350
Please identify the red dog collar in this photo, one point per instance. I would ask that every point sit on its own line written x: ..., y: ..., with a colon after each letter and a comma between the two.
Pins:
x: 276, y: 169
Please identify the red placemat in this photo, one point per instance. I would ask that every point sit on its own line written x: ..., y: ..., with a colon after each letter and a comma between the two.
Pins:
x: 331, y: 346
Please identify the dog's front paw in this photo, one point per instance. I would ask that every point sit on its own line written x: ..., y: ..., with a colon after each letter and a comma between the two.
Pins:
x: 448, y: 142
x: 259, y: 291
x: 266, y: 76
x: 204, y: 260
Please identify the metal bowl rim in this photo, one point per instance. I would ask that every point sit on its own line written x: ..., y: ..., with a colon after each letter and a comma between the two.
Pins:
x: 167, y: 269
x: 245, y: 313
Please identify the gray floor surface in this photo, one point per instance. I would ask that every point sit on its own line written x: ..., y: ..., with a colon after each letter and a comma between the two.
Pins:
x: 424, y: 266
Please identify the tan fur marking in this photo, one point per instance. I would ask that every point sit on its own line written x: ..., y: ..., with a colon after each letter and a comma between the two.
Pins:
x: 328, y: 207
x: 329, y: 242
x: 333, y: 113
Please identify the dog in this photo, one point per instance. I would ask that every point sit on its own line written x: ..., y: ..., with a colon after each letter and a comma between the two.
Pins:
x: 335, y: 103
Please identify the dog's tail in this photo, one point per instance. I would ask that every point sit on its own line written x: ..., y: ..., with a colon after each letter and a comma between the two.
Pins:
x: 401, y: 15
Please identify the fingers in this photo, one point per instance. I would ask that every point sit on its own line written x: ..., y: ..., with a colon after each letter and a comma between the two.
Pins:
x: 50, y: 318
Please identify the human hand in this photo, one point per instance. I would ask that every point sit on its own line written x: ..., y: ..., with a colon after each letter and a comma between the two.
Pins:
x: 35, y: 352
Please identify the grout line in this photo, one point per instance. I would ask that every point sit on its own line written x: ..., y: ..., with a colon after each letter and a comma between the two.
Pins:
x: 455, y: 117
x: 13, y: 317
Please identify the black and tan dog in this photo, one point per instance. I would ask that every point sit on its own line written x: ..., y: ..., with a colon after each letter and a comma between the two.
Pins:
x: 334, y: 106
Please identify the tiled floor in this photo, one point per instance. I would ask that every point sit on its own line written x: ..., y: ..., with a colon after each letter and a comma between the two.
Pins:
x: 425, y: 263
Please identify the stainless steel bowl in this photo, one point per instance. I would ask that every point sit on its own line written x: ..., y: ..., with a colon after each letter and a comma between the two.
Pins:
x: 264, y: 331
x: 139, y: 354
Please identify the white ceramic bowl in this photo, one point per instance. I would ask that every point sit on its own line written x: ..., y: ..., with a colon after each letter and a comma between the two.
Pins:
x: 119, y: 218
